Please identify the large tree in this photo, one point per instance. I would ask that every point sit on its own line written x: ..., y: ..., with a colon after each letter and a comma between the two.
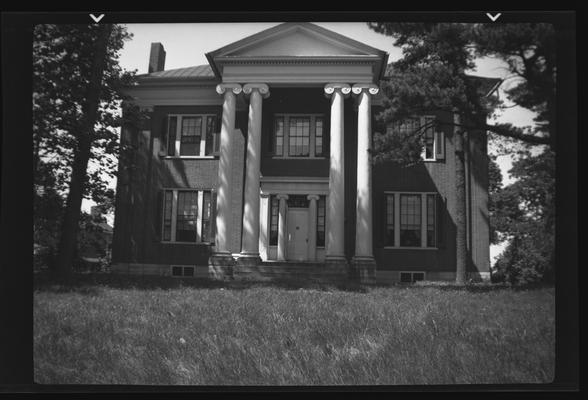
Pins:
x: 433, y: 75
x: 77, y: 89
x: 523, y: 213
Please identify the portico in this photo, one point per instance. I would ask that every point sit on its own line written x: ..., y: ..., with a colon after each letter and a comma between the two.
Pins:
x: 297, y: 56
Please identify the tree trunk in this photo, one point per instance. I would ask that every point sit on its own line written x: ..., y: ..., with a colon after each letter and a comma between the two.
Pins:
x: 460, y: 206
x: 67, y: 244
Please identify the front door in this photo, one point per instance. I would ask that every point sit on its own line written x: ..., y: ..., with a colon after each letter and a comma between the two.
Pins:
x: 297, y: 234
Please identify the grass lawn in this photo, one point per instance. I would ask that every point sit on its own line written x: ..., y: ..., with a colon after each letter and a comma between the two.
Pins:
x: 106, y: 330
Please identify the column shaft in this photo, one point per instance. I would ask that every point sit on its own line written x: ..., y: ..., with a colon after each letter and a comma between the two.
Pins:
x: 336, y: 199
x: 250, y: 234
x: 223, y: 199
x: 363, y: 229
x: 282, y: 234
x: 312, y: 227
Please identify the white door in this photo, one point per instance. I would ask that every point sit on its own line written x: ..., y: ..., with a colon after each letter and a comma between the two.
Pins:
x: 297, y: 234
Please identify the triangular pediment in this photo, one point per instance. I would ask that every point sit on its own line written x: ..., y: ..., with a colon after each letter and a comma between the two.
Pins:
x: 296, y: 40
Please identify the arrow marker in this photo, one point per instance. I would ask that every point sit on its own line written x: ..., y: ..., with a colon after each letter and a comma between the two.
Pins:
x: 98, y: 18
x: 495, y: 17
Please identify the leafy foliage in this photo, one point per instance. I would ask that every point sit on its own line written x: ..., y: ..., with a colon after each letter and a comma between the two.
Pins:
x: 432, y: 75
x: 62, y: 66
x: 524, y: 212
x: 77, y: 92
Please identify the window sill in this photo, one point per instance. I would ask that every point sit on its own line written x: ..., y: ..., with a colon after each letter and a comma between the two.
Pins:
x: 190, y: 157
x: 297, y: 158
x: 409, y: 248
x: 193, y: 243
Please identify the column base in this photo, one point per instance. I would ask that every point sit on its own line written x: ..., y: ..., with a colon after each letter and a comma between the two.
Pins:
x: 220, y: 266
x: 336, y: 264
x: 363, y: 269
x: 248, y: 259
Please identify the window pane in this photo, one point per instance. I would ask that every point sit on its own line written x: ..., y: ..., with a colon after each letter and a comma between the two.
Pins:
x: 299, y: 136
x: 206, y: 211
x: 389, y: 234
x: 431, y: 220
x: 167, y: 214
x: 410, y: 220
x: 191, y: 134
x: 210, y: 131
x: 318, y: 137
x: 274, y: 214
x: 429, y: 141
x: 320, y: 222
x: 278, y: 136
x: 171, y: 136
x: 186, y: 218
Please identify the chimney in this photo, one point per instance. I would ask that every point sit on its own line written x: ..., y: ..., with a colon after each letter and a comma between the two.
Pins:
x: 156, y: 58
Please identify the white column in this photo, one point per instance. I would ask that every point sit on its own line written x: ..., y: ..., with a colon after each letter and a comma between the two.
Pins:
x: 223, y: 198
x: 312, y: 227
x: 335, y: 240
x: 282, y: 234
x: 363, y: 226
x: 250, y: 232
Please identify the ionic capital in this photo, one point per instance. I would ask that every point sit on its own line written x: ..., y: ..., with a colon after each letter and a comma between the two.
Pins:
x: 368, y: 87
x: 262, y: 88
x: 343, y: 88
x: 223, y: 87
x: 312, y: 197
x: 282, y: 196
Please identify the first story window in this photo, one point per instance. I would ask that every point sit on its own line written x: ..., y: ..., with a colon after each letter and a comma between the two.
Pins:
x: 320, y: 221
x: 298, y: 135
x: 187, y: 216
x: 192, y: 135
x: 411, y: 220
x: 433, y: 137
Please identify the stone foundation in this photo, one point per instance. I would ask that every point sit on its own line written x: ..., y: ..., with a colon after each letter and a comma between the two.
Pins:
x: 363, y: 270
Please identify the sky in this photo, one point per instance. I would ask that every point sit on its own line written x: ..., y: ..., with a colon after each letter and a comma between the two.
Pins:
x: 186, y: 43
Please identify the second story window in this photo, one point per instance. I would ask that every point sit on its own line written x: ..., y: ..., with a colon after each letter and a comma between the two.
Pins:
x: 298, y: 135
x: 192, y: 135
x: 432, y: 135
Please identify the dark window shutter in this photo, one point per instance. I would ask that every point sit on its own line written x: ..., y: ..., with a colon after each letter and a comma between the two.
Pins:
x: 163, y: 136
x: 171, y: 135
x: 158, y: 215
x: 441, y: 231
x: 383, y: 206
x: 213, y: 216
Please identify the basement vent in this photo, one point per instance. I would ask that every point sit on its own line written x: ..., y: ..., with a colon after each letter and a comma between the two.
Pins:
x: 411, y: 277
x: 180, y: 270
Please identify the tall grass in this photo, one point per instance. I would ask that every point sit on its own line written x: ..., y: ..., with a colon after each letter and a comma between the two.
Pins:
x: 274, y: 336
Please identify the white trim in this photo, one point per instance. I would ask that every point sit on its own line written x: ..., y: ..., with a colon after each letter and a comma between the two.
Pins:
x: 300, y: 179
x: 190, y: 157
x: 174, y: 215
x: 409, y: 248
x: 424, y: 219
x: 199, y: 216
x: 396, y: 219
